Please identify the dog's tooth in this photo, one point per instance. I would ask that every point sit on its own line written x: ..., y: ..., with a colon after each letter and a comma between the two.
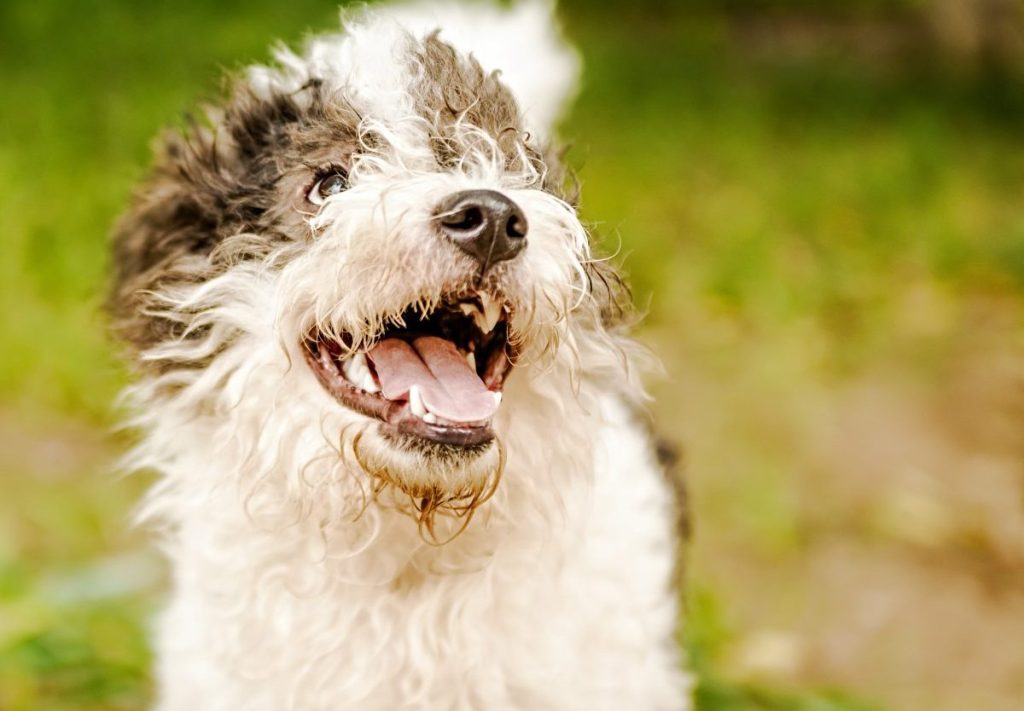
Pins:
x: 368, y: 383
x: 471, y: 359
x: 350, y: 371
x: 480, y: 320
x: 416, y: 402
x: 492, y: 312
x: 362, y: 371
x: 467, y: 308
x: 497, y: 396
x: 356, y: 367
x: 430, y: 418
x: 357, y: 372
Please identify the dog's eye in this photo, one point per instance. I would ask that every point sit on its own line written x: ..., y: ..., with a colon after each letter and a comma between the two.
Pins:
x: 331, y: 184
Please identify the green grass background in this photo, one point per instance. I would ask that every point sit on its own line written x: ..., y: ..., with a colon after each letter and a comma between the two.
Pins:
x: 794, y: 221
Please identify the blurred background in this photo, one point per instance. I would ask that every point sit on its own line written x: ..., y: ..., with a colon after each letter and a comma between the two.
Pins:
x: 821, y: 205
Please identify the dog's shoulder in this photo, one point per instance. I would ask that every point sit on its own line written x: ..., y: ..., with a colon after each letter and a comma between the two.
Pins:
x: 670, y: 457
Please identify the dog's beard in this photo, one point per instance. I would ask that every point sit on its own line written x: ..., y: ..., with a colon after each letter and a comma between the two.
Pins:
x: 430, y: 389
x: 458, y: 355
x: 433, y: 479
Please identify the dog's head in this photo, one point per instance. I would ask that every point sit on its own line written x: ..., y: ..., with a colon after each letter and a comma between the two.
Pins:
x: 366, y: 243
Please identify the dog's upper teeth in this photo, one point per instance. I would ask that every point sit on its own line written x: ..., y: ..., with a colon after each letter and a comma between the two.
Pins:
x: 471, y: 359
x: 497, y: 397
x: 488, y: 318
x: 431, y: 418
x: 468, y: 308
x: 416, y: 402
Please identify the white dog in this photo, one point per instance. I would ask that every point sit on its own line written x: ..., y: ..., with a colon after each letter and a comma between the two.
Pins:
x: 388, y: 389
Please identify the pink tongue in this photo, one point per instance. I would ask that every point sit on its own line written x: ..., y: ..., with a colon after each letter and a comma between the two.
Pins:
x: 450, y: 388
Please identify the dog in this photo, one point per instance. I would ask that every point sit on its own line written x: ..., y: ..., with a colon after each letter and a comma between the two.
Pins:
x: 389, y: 391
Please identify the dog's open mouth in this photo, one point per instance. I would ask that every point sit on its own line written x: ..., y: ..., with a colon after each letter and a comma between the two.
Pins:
x: 437, y: 376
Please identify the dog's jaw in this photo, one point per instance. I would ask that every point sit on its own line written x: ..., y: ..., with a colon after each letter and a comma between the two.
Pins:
x: 436, y: 375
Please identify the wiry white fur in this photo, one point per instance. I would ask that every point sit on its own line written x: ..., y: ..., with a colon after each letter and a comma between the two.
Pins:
x: 293, y: 587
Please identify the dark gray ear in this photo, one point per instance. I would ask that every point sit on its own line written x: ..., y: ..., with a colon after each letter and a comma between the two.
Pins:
x: 208, y: 182
x: 176, y: 214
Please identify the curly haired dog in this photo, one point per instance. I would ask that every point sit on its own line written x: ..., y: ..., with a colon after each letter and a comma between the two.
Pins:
x: 388, y: 390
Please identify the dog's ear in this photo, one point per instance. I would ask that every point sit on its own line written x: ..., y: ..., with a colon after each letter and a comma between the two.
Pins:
x: 209, y: 181
x: 522, y: 42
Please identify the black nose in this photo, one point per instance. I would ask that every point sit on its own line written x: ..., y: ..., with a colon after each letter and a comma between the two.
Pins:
x: 484, y: 224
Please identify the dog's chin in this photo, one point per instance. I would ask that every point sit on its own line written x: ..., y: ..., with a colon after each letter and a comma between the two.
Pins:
x: 446, y: 475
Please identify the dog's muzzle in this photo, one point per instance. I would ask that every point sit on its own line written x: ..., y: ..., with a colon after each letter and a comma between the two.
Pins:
x: 484, y: 224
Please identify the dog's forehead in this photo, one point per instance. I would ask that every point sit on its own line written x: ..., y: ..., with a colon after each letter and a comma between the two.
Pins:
x: 371, y: 67
x: 385, y: 74
x: 452, y: 87
x: 415, y: 60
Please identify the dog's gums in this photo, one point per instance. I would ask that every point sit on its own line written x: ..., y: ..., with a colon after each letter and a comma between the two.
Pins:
x: 436, y: 376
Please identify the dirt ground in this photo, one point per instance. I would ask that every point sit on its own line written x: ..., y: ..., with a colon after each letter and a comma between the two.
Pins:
x: 884, y: 552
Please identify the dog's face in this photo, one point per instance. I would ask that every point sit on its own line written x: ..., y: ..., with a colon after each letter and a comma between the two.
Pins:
x: 378, y: 212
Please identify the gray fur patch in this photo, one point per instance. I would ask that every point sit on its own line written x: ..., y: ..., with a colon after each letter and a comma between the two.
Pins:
x: 239, y: 173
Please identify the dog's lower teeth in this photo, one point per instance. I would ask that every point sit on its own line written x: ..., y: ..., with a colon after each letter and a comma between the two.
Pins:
x: 369, y: 384
x: 416, y: 402
x: 350, y: 369
x: 357, y: 372
x: 471, y: 360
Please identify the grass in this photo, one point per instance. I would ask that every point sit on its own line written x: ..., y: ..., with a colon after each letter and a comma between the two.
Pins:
x: 826, y: 246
